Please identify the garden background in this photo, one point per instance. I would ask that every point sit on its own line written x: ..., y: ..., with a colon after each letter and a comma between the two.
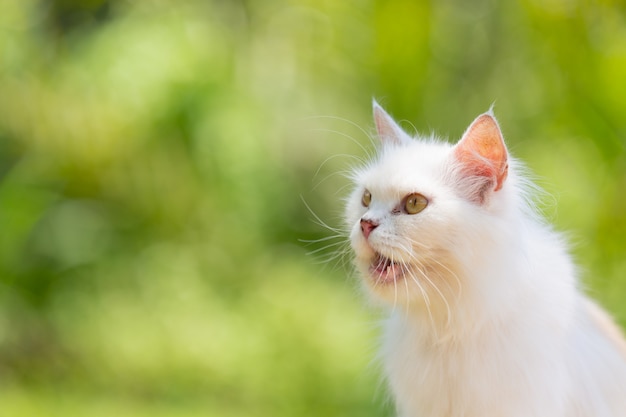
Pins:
x: 157, y: 158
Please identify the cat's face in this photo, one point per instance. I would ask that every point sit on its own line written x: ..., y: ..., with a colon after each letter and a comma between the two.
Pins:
x: 409, y: 214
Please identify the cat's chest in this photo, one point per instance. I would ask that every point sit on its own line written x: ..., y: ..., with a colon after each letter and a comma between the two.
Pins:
x: 474, y: 378
x: 425, y: 380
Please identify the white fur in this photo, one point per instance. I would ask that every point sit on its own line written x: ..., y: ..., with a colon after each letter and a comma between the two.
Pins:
x: 490, y: 322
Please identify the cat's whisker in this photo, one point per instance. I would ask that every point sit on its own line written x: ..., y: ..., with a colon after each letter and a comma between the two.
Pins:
x: 444, y: 277
x: 331, y: 254
x: 322, y: 239
x: 320, y: 223
x: 406, y: 290
x: 344, y: 174
x: 432, y: 284
x: 426, y: 301
x: 328, y: 259
x: 338, y: 155
x: 341, y: 189
x: 339, y: 252
x: 417, y: 243
x: 318, y: 220
x: 443, y: 297
x: 424, y: 293
x: 350, y: 122
x: 353, y: 140
x: 342, y: 119
x: 395, y: 284
x: 452, y: 273
x: 377, y: 281
x: 325, y: 247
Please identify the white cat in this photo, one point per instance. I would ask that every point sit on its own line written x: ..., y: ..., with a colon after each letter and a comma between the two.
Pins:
x: 486, y: 319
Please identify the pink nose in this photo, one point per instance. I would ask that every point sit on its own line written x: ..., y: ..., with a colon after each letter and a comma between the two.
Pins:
x: 367, y: 226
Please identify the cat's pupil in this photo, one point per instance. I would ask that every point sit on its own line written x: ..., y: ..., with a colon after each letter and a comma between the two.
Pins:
x: 414, y: 203
x: 366, y: 199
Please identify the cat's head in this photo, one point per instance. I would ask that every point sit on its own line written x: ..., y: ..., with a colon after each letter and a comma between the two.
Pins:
x: 418, y: 212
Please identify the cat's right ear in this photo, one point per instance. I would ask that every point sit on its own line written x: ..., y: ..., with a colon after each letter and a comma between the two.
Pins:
x: 388, y: 130
x: 483, y: 155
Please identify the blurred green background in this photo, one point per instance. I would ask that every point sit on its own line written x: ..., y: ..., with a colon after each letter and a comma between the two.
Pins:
x: 157, y: 158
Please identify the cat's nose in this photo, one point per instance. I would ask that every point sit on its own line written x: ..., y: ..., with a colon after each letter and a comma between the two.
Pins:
x: 367, y: 226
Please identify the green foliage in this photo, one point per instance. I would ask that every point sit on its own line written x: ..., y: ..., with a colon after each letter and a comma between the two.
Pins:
x: 154, y: 158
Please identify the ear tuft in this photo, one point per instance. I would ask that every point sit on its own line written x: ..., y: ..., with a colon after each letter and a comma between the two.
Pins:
x: 388, y: 130
x: 482, y: 153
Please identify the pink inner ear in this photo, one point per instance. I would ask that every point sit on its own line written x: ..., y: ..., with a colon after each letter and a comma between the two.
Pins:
x: 482, y: 150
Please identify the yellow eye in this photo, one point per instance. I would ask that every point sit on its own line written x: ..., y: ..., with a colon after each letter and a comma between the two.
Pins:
x: 414, y: 203
x: 366, y: 199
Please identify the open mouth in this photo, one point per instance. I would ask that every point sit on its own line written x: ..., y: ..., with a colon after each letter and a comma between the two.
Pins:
x: 384, y: 270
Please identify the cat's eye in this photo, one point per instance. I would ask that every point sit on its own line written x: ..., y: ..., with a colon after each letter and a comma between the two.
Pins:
x: 414, y: 203
x: 366, y: 199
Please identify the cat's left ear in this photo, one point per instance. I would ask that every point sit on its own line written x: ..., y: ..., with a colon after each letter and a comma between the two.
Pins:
x: 482, y: 153
x: 388, y: 130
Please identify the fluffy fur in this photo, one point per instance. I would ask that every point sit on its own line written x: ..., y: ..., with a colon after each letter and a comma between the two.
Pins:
x: 486, y: 317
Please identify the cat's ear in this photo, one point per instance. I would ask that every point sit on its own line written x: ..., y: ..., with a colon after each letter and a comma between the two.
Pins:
x: 483, y: 154
x: 388, y: 130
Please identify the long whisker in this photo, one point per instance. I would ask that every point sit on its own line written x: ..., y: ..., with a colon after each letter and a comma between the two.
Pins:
x: 427, y: 301
x: 395, y: 284
x: 344, y: 173
x: 318, y: 220
x: 452, y: 273
x: 378, y: 278
x: 322, y: 239
x: 344, y: 120
x: 443, y: 297
x: 342, y: 252
x: 323, y: 248
x: 341, y: 189
x: 424, y: 293
x: 417, y: 243
x: 430, y: 282
x: 330, y: 158
x: 353, y: 140
x: 406, y: 290
x: 340, y: 257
